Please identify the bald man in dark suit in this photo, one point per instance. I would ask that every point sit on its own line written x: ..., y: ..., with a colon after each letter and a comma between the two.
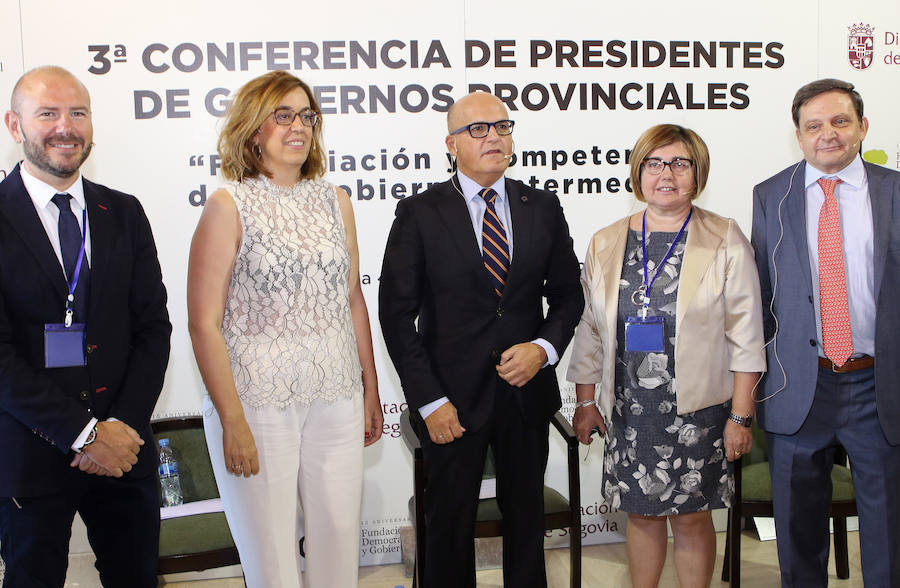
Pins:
x: 84, y: 343
x: 467, y: 268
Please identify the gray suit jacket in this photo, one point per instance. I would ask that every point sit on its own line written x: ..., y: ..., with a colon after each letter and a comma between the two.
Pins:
x: 795, y: 344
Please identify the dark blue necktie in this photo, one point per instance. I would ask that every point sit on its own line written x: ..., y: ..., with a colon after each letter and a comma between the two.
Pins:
x: 70, y: 246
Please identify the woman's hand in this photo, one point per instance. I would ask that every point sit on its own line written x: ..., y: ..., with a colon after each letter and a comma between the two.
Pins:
x: 585, y: 420
x: 374, y: 417
x: 738, y: 440
x: 240, y: 449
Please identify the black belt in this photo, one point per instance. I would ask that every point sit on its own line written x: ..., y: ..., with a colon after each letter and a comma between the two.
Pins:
x: 852, y: 364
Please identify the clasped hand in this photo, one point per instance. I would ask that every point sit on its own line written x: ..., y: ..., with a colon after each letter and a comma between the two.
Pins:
x: 520, y: 363
x: 113, y: 452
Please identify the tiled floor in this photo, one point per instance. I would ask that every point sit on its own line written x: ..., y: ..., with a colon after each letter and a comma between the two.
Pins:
x: 603, y: 566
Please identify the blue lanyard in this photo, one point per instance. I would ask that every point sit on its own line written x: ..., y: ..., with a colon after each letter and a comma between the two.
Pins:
x: 71, y: 297
x: 645, y: 296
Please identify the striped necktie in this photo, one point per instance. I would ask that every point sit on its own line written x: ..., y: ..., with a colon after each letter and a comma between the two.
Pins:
x: 494, y: 245
x: 837, y: 340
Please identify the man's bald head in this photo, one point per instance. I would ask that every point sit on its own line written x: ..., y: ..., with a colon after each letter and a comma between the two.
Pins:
x: 483, y: 159
x: 40, y: 76
x: 461, y: 110
x: 51, y: 117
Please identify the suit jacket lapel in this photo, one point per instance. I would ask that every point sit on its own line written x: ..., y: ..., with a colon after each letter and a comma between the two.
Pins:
x: 880, y: 195
x: 793, y: 216
x: 611, y: 260
x: 19, y: 209
x: 522, y: 220
x: 699, y: 252
x: 101, y: 232
x: 455, y: 214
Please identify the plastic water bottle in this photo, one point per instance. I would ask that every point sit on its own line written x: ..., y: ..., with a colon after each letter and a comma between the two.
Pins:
x: 168, y: 475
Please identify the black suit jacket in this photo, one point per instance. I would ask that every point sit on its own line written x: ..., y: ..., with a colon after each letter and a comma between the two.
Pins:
x: 42, y: 411
x: 433, y: 272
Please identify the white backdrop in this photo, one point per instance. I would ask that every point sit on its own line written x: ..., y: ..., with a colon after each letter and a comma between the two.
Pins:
x: 583, y: 80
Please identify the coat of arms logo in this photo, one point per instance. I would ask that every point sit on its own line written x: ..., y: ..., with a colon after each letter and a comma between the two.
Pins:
x: 861, y: 45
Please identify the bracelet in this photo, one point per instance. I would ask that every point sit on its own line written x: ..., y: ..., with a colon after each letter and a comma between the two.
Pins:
x: 744, y: 421
x: 585, y: 403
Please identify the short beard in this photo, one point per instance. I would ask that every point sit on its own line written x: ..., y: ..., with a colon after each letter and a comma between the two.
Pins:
x: 38, y: 158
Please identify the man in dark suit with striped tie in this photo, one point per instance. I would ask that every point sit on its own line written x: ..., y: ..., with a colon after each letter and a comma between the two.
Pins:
x: 467, y: 267
x: 84, y: 343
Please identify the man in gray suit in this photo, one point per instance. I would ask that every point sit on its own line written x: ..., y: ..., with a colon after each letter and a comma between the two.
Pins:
x: 826, y: 232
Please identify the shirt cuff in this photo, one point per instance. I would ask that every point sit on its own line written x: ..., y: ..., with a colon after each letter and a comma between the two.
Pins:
x: 79, y: 441
x: 552, y: 355
x: 429, y: 408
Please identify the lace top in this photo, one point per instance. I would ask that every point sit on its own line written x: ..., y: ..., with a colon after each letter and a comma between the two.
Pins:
x: 287, y: 321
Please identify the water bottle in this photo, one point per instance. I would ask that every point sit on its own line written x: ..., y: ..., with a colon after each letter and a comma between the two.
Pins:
x: 168, y: 475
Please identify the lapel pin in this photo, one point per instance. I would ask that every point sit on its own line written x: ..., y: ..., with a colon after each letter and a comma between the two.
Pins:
x: 524, y: 198
x: 102, y: 207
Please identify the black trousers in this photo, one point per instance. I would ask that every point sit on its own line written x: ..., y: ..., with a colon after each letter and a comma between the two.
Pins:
x: 453, y: 480
x: 122, y: 520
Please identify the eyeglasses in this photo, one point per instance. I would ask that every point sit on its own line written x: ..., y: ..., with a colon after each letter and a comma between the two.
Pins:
x: 286, y: 116
x: 678, y: 165
x: 479, y: 130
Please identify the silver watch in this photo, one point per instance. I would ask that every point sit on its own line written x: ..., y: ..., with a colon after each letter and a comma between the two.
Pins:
x: 92, y: 436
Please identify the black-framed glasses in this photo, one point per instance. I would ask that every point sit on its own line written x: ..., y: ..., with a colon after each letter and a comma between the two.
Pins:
x: 480, y: 130
x: 286, y: 116
x: 678, y: 165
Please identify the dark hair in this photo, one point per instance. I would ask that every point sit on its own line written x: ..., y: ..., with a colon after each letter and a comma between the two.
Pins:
x: 813, y: 89
x: 661, y: 136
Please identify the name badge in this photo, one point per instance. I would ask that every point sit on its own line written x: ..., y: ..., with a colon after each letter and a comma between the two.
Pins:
x: 64, y: 346
x: 644, y: 333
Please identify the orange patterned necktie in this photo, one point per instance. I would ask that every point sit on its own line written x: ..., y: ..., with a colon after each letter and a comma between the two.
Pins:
x: 836, y: 336
x: 494, y: 245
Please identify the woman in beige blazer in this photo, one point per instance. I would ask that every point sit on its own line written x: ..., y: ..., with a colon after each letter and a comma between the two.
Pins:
x: 667, y: 356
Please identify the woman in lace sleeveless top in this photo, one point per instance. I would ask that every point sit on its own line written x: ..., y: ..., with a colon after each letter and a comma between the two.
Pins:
x: 281, y: 336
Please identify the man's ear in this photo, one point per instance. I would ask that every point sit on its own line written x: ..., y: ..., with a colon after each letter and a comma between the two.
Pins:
x: 450, y: 141
x: 12, y: 123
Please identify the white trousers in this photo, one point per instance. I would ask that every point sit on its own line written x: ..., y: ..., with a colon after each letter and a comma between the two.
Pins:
x: 310, y: 469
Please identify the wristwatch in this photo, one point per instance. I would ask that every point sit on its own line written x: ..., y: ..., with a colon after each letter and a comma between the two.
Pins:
x: 744, y: 421
x: 92, y: 436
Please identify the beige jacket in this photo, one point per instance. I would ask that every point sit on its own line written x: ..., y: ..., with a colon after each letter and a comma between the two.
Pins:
x: 718, y: 315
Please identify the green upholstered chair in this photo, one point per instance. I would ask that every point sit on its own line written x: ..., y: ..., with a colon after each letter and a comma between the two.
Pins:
x: 559, y: 512
x: 195, y: 542
x: 753, y: 498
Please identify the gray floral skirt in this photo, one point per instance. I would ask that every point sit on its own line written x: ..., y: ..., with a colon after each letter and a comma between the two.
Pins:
x: 658, y: 463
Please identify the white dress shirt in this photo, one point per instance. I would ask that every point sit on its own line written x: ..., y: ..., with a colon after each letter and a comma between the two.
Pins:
x: 42, y: 197
x: 858, y: 238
